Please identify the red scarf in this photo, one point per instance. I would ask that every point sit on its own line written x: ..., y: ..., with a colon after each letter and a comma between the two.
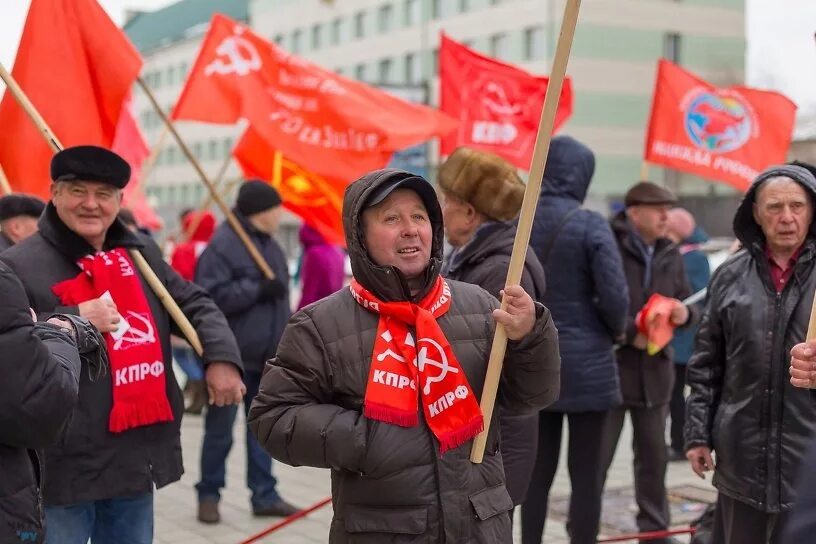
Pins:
x: 448, y: 401
x: 137, y: 362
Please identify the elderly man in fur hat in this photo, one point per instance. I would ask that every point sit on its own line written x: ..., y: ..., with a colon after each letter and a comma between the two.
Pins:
x: 481, y: 197
x: 18, y: 218
x: 124, y: 438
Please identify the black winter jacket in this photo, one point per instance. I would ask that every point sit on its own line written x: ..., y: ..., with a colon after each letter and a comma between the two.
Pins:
x: 227, y: 271
x: 89, y: 462
x: 742, y: 404
x: 484, y: 262
x: 389, y: 483
x: 586, y: 287
x: 40, y: 367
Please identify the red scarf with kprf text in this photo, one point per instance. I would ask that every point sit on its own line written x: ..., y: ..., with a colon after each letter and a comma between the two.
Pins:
x: 407, y: 367
x: 135, y: 353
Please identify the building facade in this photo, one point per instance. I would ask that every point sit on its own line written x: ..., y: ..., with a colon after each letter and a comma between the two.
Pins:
x: 613, y: 61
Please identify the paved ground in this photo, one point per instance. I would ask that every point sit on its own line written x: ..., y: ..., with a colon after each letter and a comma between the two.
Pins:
x: 176, y: 504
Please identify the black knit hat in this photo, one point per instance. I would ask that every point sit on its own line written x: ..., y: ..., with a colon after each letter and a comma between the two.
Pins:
x: 256, y: 196
x: 90, y: 163
x: 646, y: 193
x: 20, y: 205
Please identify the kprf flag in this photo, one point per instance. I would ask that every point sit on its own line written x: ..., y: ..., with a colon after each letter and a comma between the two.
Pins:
x: 723, y: 134
x: 129, y: 144
x: 322, y: 121
x: 316, y: 199
x: 498, y: 105
x: 77, y: 68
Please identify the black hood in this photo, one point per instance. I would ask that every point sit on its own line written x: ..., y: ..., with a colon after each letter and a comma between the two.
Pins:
x: 386, y: 282
x: 746, y: 228
x: 569, y: 169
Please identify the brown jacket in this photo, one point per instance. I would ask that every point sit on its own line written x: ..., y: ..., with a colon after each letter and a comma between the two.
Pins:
x: 389, y: 483
x: 648, y: 380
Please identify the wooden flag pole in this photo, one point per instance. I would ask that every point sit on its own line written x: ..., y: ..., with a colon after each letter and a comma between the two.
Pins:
x: 161, y: 291
x: 233, y: 221
x: 644, y: 171
x: 197, y: 218
x: 150, y: 162
x: 4, y: 182
x: 528, y: 207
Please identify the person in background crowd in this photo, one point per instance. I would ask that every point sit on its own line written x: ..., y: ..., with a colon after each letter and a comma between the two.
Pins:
x: 184, y: 259
x: 481, y: 196
x: 257, y: 310
x: 124, y: 438
x: 652, y: 264
x: 342, y: 392
x: 18, y: 218
x: 683, y: 230
x: 742, y: 406
x: 321, y: 270
x: 588, y: 297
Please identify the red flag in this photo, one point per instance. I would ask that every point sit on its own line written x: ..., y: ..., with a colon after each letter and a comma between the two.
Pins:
x: 77, y: 68
x: 724, y: 134
x: 332, y: 125
x: 498, y: 105
x: 317, y: 200
x: 131, y: 146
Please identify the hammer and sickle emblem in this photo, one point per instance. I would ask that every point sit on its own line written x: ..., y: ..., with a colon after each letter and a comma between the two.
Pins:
x: 236, y: 56
x: 136, y: 336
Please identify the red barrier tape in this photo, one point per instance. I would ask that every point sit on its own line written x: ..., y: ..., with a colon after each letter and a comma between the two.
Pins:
x: 652, y: 535
x: 286, y: 521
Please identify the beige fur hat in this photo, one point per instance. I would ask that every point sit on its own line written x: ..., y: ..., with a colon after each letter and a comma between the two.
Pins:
x: 486, y: 181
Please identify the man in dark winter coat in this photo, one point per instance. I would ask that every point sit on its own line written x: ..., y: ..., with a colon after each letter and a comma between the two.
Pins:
x: 380, y: 382
x: 124, y: 438
x: 588, y: 297
x: 652, y: 264
x: 742, y: 406
x: 481, y: 196
x: 683, y: 230
x: 40, y: 368
x: 257, y: 310
x: 18, y: 218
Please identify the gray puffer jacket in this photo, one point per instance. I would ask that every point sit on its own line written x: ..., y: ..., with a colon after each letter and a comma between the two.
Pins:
x: 389, y: 483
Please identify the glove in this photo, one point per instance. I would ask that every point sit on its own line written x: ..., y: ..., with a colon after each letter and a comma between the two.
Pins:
x: 273, y: 290
x: 91, y: 346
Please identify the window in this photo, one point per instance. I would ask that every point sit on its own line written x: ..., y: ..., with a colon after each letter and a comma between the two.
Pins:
x: 197, y: 148
x: 212, y: 149
x: 171, y: 194
x: 435, y: 9
x: 171, y: 75
x: 336, y: 31
x: 499, y: 46
x: 671, y: 46
x: 412, y: 12
x: 317, y: 37
x: 385, y: 18
x: 184, y: 194
x: 385, y: 70
x: 534, y: 46
x: 184, y: 69
x: 278, y: 39
x: 171, y: 155
x: 359, y: 24
x: 464, y: 5
x: 157, y: 80
x: 227, y: 143
x: 435, y: 60
x: 296, y: 38
x: 411, y: 66
x: 360, y: 72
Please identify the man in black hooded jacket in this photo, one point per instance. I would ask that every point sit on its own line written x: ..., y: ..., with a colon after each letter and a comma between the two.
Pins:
x: 742, y: 406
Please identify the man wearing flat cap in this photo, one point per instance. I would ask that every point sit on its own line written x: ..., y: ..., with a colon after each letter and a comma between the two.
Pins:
x: 652, y: 264
x: 124, y: 437
x: 257, y: 310
x: 742, y: 406
x: 18, y: 218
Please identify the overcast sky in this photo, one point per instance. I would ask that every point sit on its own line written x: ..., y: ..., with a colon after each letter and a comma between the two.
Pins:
x: 781, y: 46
